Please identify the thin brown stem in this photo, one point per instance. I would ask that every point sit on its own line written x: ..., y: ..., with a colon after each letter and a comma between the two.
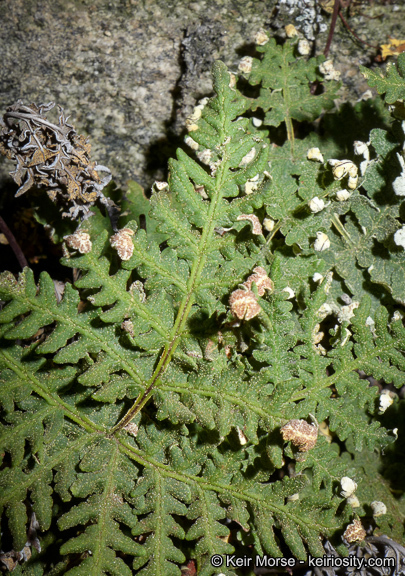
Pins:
x: 354, y: 33
x: 13, y: 243
x: 336, y: 8
x: 337, y: 12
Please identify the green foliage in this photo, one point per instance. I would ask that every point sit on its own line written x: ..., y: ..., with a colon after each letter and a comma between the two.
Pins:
x: 142, y: 413
x: 285, y: 84
x: 392, y: 84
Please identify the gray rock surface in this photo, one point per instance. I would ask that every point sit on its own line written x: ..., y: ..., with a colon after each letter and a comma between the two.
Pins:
x: 128, y: 72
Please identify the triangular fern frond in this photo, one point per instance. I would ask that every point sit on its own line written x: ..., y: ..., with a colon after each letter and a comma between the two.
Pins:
x: 285, y: 93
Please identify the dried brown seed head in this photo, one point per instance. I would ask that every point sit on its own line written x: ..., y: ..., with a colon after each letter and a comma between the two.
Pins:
x: 245, y: 65
x: 248, y: 158
x: 315, y: 154
x: 322, y: 242
x: 232, y: 80
x: 301, y: 434
x: 244, y: 305
x: 354, y: 532
x: 262, y: 281
x: 160, y: 185
x: 378, y: 508
x: 256, y: 226
x: 79, y: 241
x: 304, y: 47
x: 122, y: 242
x: 261, y: 38
x: 291, y: 31
x: 132, y: 428
x: 128, y: 326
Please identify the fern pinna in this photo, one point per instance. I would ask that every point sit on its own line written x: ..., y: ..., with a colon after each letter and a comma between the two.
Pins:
x: 196, y: 391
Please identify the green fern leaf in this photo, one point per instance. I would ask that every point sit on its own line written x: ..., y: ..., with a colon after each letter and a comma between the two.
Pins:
x: 149, y: 421
x: 392, y: 84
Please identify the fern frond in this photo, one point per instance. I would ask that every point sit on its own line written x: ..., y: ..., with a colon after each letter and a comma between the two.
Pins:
x: 285, y: 92
x: 392, y: 84
x: 148, y: 419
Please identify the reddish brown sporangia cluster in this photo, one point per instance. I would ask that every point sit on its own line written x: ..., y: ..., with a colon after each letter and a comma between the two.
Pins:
x: 301, y: 434
x: 261, y: 280
x: 243, y: 302
x: 79, y: 241
x: 354, y: 532
x: 254, y: 220
x: 122, y: 242
x: 51, y: 156
x: 128, y: 327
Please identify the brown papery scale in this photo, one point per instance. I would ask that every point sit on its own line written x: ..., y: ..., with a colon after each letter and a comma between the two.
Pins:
x: 122, y: 242
x: 244, y: 304
x: 354, y: 532
x: 301, y: 434
x: 79, y: 241
x: 262, y: 281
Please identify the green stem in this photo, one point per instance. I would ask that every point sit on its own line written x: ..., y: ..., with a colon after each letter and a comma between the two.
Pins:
x: 186, y: 303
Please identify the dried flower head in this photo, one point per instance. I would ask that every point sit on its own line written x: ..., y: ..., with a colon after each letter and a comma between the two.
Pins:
x: 244, y: 304
x: 245, y: 65
x: 347, y: 312
x: 386, y: 400
x: 256, y: 226
x: 354, y: 532
x: 353, y: 501
x: 241, y: 435
x: 304, y: 47
x: 399, y: 182
x: 195, y: 116
x: 289, y: 291
x: 315, y: 154
x: 399, y: 237
x: 378, y: 508
x: 328, y: 70
x: 291, y: 31
x: 269, y: 224
x: 352, y: 182
x: 79, y: 241
x: 52, y: 156
x: 261, y: 38
x: 248, y: 158
x: 192, y: 143
x: 360, y: 147
x: 342, y: 168
x: 293, y: 497
x: 205, y: 156
x: 122, y: 242
x: 128, y: 327
x: 399, y: 185
x: 342, y: 195
x: 301, y: 434
x: 262, y: 281
x: 322, y: 242
x: 348, y: 485
x: 316, y: 204
x: 252, y: 185
x: 159, y: 185
x: 132, y: 428
x: 232, y: 80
